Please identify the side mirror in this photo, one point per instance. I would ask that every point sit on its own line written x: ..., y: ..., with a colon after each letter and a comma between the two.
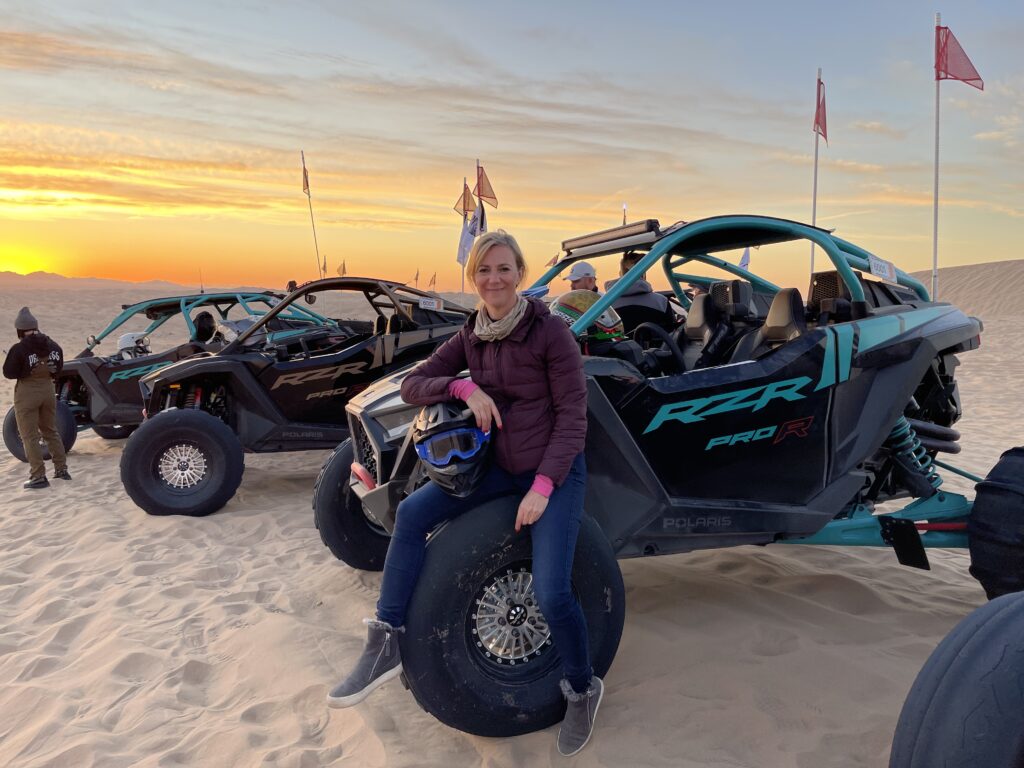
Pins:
x: 310, y: 298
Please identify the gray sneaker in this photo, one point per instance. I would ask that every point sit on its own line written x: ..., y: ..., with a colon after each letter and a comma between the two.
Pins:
x: 379, y: 663
x: 579, y: 716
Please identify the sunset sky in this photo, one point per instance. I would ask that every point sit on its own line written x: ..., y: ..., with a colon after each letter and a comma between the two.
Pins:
x: 149, y: 141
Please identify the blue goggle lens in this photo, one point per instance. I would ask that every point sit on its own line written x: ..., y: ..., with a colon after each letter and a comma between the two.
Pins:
x: 464, y: 443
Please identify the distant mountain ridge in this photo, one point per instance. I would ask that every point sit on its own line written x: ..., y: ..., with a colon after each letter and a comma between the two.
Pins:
x: 53, y: 281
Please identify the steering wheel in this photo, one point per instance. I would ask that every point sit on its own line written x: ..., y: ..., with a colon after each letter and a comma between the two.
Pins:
x: 652, y: 331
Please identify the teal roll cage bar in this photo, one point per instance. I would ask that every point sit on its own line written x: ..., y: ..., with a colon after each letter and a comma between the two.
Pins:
x: 942, y: 516
x: 185, y: 305
x: 671, y: 250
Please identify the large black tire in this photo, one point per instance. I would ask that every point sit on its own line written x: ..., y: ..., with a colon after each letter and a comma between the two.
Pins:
x: 346, y: 530
x: 65, y: 426
x: 114, y: 431
x: 182, y: 462
x: 451, y: 673
x: 966, y: 707
x: 995, y: 529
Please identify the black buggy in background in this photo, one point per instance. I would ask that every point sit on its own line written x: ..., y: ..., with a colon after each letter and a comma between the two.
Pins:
x: 763, y: 418
x: 268, y: 391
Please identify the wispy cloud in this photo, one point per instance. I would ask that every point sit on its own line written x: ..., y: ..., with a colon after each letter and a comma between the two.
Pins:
x: 879, y: 129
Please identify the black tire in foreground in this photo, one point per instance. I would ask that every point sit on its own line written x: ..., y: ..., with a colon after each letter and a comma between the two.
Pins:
x: 182, y: 462
x: 346, y: 530
x: 475, y: 652
x: 966, y: 707
x: 114, y: 431
x: 65, y: 426
x: 995, y: 529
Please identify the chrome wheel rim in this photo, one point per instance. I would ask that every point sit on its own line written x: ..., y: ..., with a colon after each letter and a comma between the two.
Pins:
x: 182, y: 466
x: 507, y: 624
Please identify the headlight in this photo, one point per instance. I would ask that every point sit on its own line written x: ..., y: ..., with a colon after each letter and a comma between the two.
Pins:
x: 393, y: 415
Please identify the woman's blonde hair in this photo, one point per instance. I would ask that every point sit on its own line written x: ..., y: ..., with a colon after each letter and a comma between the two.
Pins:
x: 488, y: 240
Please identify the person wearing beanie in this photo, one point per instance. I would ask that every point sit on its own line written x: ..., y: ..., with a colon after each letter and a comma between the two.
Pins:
x: 33, y: 362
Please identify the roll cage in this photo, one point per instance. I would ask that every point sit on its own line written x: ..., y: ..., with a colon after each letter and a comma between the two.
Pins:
x: 413, y: 306
x: 159, y: 311
x: 697, y: 241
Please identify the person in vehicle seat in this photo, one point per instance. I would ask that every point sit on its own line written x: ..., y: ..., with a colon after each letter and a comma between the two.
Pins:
x: 33, y: 362
x: 582, y: 277
x: 640, y: 304
x: 206, y: 327
x: 526, y: 381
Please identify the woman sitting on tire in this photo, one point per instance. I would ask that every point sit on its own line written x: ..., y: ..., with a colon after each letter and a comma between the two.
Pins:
x: 527, y: 380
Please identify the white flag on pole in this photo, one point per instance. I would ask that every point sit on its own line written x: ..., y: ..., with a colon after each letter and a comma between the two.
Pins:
x: 472, y: 228
x: 745, y: 258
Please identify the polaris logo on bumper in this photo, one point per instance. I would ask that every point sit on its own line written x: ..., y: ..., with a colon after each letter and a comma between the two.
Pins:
x: 689, y: 523
x: 753, y: 399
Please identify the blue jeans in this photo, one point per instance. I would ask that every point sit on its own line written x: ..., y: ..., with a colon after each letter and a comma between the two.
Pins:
x: 554, y: 542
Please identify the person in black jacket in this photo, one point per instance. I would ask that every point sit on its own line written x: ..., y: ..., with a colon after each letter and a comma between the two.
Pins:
x: 34, y: 361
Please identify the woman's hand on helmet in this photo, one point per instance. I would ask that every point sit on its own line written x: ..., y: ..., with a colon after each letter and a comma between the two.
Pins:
x: 530, y: 509
x: 484, y: 410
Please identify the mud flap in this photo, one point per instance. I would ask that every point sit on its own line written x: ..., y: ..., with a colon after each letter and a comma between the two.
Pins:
x: 902, y: 535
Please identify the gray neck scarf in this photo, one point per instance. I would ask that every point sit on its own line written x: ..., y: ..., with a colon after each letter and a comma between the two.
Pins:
x: 496, y: 330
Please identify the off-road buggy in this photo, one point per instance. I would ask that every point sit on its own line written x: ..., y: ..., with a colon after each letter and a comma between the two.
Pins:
x: 101, y: 392
x: 761, y: 419
x: 272, y: 388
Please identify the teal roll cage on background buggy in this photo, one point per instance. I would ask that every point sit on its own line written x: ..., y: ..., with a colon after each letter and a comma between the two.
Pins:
x: 942, y: 516
x: 159, y: 311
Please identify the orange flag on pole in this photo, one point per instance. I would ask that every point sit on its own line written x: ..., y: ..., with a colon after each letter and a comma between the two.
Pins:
x: 465, y: 205
x: 483, y: 189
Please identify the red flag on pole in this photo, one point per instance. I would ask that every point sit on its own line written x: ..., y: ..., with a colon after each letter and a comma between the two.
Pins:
x: 483, y: 189
x: 820, y: 125
x: 554, y: 260
x: 951, y: 63
x: 465, y: 205
x: 433, y: 281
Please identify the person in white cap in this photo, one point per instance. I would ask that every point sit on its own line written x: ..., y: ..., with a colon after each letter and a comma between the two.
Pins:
x: 582, y: 276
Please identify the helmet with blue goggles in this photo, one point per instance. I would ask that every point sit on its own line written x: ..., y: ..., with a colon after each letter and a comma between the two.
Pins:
x: 454, y: 451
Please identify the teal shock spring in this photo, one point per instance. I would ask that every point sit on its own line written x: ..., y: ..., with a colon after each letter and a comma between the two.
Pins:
x: 904, y: 440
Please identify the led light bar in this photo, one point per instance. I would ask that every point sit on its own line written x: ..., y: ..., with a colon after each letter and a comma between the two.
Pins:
x: 609, y: 235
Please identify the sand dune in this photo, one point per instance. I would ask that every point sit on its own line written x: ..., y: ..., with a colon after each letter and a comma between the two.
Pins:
x: 127, y: 640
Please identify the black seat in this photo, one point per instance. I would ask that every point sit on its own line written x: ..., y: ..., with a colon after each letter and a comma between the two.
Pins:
x: 705, y: 329
x: 380, y: 325
x: 785, y: 321
x: 397, y: 324
x: 633, y: 315
x: 206, y: 326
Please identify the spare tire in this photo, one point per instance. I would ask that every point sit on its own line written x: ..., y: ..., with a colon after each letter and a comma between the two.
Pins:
x: 966, y: 707
x: 182, y: 462
x: 995, y: 529
x: 487, y: 687
x: 345, y: 528
x: 66, y: 426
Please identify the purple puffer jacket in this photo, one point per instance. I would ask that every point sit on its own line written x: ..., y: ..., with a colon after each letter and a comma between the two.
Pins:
x: 535, y: 377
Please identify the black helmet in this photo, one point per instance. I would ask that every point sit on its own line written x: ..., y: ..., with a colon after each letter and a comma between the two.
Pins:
x: 454, y: 452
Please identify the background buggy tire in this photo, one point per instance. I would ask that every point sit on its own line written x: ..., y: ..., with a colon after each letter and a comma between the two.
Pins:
x: 114, y: 431
x: 444, y: 669
x: 66, y: 426
x: 966, y: 707
x: 995, y: 529
x: 339, y: 516
x: 212, y: 458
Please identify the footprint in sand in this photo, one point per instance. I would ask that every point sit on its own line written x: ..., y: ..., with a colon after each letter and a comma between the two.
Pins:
x: 774, y: 641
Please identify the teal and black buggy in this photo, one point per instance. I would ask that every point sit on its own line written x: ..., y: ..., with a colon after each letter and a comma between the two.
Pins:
x: 101, y: 392
x: 764, y: 418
